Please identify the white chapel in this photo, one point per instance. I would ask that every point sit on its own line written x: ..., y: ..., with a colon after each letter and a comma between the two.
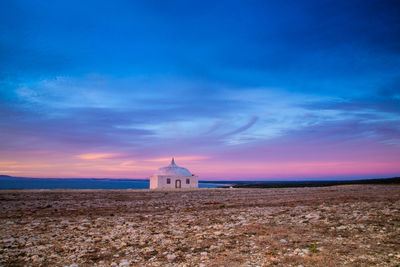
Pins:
x: 173, y: 176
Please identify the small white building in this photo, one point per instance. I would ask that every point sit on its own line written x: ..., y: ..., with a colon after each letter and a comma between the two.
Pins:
x: 173, y: 176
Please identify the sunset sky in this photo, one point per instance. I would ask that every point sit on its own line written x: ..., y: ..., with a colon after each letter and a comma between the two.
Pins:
x: 232, y: 89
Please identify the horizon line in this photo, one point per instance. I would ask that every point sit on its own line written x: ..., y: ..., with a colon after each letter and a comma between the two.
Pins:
x: 219, y: 179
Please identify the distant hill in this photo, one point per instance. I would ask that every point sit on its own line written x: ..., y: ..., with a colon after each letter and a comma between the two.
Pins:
x: 281, y: 184
x: 8, y: 177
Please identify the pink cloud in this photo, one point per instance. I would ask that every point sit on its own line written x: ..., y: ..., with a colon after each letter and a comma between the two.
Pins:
x: 94, y: 156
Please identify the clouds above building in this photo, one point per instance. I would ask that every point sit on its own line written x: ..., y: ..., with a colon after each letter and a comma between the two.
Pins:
x: 100, y: 89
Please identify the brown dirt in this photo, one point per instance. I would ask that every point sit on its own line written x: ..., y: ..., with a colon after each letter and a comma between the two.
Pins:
x: 352, y: 225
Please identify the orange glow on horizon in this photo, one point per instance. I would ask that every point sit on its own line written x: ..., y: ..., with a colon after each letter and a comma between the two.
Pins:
x: 111, y: 165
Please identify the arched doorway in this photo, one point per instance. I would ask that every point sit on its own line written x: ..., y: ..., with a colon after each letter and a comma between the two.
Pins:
x: 178, y: 184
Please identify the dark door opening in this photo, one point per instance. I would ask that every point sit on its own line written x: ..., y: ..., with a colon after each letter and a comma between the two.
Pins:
x: 178, y: 184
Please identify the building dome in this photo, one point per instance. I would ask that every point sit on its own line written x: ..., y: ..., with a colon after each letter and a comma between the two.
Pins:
x: 173, y: 170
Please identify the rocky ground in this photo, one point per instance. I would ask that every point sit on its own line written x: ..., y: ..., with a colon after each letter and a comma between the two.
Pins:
x: 352, y: 225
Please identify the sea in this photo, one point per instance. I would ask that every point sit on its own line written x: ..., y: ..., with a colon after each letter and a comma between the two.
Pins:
x: 8, y: 182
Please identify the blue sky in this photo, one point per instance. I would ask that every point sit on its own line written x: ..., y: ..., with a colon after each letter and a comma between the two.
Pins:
x: 253, y: 89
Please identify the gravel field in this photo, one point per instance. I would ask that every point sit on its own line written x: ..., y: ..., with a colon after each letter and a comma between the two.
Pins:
x: 351, y: 225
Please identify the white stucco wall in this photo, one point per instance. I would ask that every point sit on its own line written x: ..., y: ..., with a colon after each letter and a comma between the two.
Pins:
x: 153, y: 182
x: 160, y: 181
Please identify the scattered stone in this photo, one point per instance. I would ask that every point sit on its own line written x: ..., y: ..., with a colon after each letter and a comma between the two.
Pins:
x: 171, y: 257
x: 257, y: 227
x: 124, y: 263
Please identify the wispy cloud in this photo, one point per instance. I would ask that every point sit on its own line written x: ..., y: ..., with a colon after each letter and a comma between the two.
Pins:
x: 178, y: 158
x: 94, y: 156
